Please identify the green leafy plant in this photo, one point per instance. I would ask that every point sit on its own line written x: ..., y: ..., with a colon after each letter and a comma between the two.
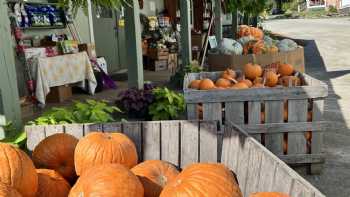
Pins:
x: 90, y: 111
x: 168, y: 105
x: 13, y: 136
x: 178, y: 79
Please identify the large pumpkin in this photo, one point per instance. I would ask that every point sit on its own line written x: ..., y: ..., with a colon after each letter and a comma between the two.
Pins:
x: 154, y: 175
x: 252, y: 71
x: 8, y: 191
x: 17, y: 170
x: 51, y: 184
x: 102, y: 148
x: 203, y: 180
x: 56, y: 152
x: 245, y: 30
x: 108, y: 180
x: 269, y: 194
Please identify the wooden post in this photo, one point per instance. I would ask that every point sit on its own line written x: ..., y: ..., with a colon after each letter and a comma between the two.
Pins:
x: 234, y: 23
x: 218, y: 21
x: 133, y: 44
x: 91, y: 25
x: 9, y: 100
x: 186, y: 45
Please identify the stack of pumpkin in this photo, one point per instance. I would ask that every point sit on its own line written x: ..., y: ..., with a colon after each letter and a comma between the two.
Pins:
x: 252, y: 40
x: 106, y: 164
x: 254, y: 76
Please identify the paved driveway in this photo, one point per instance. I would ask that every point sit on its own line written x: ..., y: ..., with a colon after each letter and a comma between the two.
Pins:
x: 328, y: 58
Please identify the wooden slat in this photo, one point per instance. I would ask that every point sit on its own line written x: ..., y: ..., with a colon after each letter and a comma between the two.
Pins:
x: 303, y: 158
x: 189, y: 143
x: 243, y: 161
x: 192, y: 113
x: 112, y: 127
x: 254, y: 117
x: 34, y: 136
x: 234, y: 112
x: 254, y: 167
x: 283, y: 180
x: 317, y: 138
x: 208, y: 141
x: 298, y: 189
x: 2, y: 120
x: 53, y: 129
x: 88, y: 128
x: 297, y: 112
x: 230, y: 148
x: 77, y: 130
x: 151, y: 141
x: 212, y: 111
x: 274, y: 114
x: 170, y: 142
x: 317, y: 126
x: 267, y: 173
x: 134, y: 132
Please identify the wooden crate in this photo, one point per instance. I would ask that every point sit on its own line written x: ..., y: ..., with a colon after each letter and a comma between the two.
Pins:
x: 283, y: 137
x: 158, y: 54
x: 158, y: 65
x: 186, y: 142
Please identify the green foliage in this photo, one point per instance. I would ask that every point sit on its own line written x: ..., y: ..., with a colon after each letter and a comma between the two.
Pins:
x: 90, y: 111
x: 332, y: 9
x: 178, y: 79
x: 75, y: 5
x: 248, y: 7
x: 168, y: 105
x: 14, y: 137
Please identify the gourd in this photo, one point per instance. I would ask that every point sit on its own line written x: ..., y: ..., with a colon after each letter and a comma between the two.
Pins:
x: 252, y: 71
x: 206, y: 84
x: 231, y: 47
x: 154, y: 175
x: 51, y: 184
x: 287, y: 45
x: 203, y: 178
x: 268, y: 41
x: 104, y: 148
x: 56, y: 152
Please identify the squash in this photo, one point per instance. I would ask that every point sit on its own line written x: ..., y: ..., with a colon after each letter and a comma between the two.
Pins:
x: 289, y: 81
x: 102, y: 148
x: 206, y: 84
x: 272, y: 49
x: 258, y: 85
x: 269, y: 194
x: 8, y: 191
x: 245, y: 40
x: 229, y: 72
x: 268, y: 41
x: 108, y: 180
x: 259, y: 47
x: 223, y: 83
x: 247, y: 82
x: 230, y: 47
x: 56, y: 152
x: 203, y: 178
x: 287, y: 45
x: 271, y: 79
x: 245, y: 30
x: 154, y: 175
x: 17, y: 170
x: 285, y: 70
x: 195, y: 84
x: 252, y: 71
x: 51, y: 184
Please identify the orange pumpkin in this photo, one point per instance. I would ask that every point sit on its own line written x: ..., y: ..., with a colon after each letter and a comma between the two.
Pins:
x: 258, y: 47
x: 154, y: 175
x: 285, y: 70
x: 272, y: 49
x: 8, y: 191
x: 203, y: 178
x: 244, y: 30
x: 240, y: 86
x: 195, y: 84
x: 247, y: 81
x: 223, y: 83
x: 230, y: 72
x: 258, y: 85
x: 256, y: 33
x: 108, y: 180
x: 252, y: 71
x: 206, y: 84
x: 271, y: 78
x: 103, y: 148
x: 269, y: 194
x: 51, y: 184
x: 56, y: 152
x: 17, y: 170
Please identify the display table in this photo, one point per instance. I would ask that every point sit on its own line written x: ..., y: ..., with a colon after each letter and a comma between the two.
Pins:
x: 62, y: 70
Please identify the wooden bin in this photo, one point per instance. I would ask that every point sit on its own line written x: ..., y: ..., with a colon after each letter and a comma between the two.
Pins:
x: 281, y: 134
x: 186, y: 142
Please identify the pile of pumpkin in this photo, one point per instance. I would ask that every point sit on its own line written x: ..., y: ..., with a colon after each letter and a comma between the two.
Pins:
x: 254, y: 76
x: 252, y: 40
x: 105, y: 164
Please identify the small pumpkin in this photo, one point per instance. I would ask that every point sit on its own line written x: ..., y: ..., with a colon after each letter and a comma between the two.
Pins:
x: 203, y: 178
x: 247, y: 82
x: 206, y: 84
x: 51, y: 184
x: 102, y: 148
x: 271, y: 79
x: 269, y: 194
x: 223, y: 83
x: 8, y: 191
x: 154, y: 175
x: 258, y: 47
x: 240, y: 86
x: 108, y: 180
x: 258, y: 85
x: 252, y: 71
x: 195, y: 84
x: 230, y: 73
x: 285, y: 69
x: 56, y: 152
x: 272, y: 49
x: 287, y: 45
x: 258, y: 80
x: 256, y: 33
x: 243, y: 30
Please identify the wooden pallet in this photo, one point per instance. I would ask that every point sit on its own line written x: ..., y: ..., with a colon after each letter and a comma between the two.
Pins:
x: 186, y: 142
x: 284, y: 137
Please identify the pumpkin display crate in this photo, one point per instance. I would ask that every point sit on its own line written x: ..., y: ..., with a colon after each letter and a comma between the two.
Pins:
x: 186, y: 142
x: 288, y: 121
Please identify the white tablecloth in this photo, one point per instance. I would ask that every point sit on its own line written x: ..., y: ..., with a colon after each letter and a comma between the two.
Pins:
x: 62, y: 70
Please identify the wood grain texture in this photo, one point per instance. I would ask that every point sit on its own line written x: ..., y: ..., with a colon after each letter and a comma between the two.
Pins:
x: 297, y: 112
x: 254, y: 117
x: 212, y: 111
x: 34, y: 136
x: 76, y: 130
x: 230, y: 148
x: 254, y: 168
x: 151, y: 140
x: 295, y: 127
x: 208, y: 141
x: 274, y: 114
x: 170, y: 139
x: 134, y: 132
x: 192, y: 112
x: 189, y: 143
x: 53, y: 129
x: 112, y: 127
x: 234, y: 112
x: 317, y: 138
x: 283, y: 182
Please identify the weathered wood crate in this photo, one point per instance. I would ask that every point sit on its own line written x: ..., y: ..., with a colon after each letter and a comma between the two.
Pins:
x: 186, y: 142
x: 288, y: 121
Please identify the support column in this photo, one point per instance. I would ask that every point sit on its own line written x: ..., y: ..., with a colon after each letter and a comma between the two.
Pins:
x: 218, y: 21
x: 9, y: 99
x: 234, y: 23
x: 133, y: 44
x: 185, y: 20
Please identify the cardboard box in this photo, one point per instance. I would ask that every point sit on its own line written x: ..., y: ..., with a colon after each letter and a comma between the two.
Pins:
x: 59, y: 94
x: 220, y: 62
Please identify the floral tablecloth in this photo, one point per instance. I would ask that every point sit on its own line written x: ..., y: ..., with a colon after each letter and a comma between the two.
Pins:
x: 62, y: 70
